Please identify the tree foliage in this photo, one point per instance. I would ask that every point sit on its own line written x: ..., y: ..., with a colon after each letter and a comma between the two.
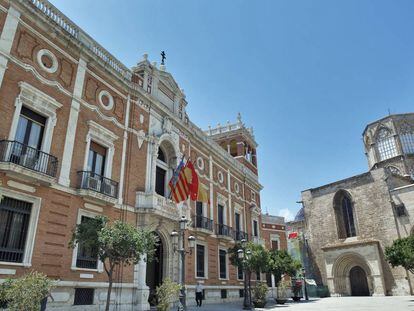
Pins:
x: 27, y: 292
x: 167, y: 293
x: 115, y: 244
x: 401, y: 253
x: 281, y: 263
x: 258, y: 261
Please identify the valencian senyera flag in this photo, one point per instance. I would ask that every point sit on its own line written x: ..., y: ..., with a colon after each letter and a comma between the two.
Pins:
x: 185, y: 184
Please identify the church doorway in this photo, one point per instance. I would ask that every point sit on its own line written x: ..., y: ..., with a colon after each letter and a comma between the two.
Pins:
x: 359, y: 282
x: 155, y: 271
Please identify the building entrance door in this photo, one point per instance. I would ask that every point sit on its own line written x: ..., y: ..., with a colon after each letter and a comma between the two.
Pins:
x: 359, y: 282
x: 154, y: 272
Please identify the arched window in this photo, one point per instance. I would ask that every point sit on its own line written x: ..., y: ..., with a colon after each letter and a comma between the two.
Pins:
x: 344, y: 213
x: 394, y: 170
x: 233, y: 148
x: 161, y: 155
x: 407, y: 137
x: 161, y: 173
x: 386, y: 144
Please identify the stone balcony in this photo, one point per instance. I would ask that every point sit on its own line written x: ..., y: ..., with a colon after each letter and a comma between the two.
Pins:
x: 151, y: 202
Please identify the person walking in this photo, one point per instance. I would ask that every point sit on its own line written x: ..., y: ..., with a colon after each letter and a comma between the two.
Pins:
x: 199, y: 294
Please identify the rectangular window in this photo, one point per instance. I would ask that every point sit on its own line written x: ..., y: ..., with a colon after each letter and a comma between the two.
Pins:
x: 275, y: 245
x: 96, y: 159
x: 220, y: 218
x: 223, y: 264
x: 224, y: 293
x: 258, y: 276
x: 87, y: 258
x: 14, y: 224
x: 83, y: 296
x: 255, y: 229
x: 241, y: 293
x: 160, y: 181
x: 199, y: 214
x: 237, y: 221
x: 200, y: 261
x: 30, y: 128
x: 240, y: 273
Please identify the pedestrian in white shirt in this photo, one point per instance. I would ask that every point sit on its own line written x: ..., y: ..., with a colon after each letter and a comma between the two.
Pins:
x: 199, y: 294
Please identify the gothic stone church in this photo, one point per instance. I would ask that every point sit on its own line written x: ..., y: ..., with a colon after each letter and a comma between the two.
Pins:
x: 350, y: 222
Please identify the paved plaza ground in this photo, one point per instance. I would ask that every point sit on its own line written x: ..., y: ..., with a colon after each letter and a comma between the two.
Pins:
x: 404, y: 303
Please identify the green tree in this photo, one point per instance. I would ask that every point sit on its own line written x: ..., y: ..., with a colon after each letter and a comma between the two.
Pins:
x: 280, y: 263
x: 257, y: 261
x: 115, y: 244
x: 401, y: 253
x: 27, y: 292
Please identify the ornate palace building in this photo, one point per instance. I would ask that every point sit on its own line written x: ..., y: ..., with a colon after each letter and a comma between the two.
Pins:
x: 348, y: 223
x: 81, y: 135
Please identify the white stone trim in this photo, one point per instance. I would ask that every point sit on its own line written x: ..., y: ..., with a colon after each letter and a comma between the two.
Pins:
x: 205, y: 277
x: 110, y: 104
x: 39, y: 102
x: 55, y: 63
x: 31, y: 232
x: 64, y: 178
x: 7, y: 38
x: 104, y: 137
x: 82, y: 212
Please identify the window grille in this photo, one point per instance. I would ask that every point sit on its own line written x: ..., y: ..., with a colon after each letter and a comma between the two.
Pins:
x: 241, y: 293
x: 14, y: 223
x: 223, y: 267
x: 407, y: 141
x: 86, y: 258
x: 200, y: 261
x: 386, y: 145
x: 83, y: 296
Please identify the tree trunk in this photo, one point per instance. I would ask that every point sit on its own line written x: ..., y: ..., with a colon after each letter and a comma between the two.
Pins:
x: 108, y: 295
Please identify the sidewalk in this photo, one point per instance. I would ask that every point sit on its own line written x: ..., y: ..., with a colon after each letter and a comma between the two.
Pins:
x: 382, y: 303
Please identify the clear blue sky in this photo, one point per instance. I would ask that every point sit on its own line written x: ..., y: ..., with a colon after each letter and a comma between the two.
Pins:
x: 307, y: 75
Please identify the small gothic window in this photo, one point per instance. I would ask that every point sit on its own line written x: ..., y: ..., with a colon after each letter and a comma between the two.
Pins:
x: 386, y: 144
x: 344, y: 213
x: 161, y: 155
x: 407, y: 141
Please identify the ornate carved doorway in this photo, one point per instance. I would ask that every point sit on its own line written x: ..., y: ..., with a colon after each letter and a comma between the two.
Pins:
x: 359, y: 282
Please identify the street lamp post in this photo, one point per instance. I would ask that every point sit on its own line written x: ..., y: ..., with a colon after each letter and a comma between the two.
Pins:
x: 304, y: 283
x: 244, y: 255
x: 191, y: 245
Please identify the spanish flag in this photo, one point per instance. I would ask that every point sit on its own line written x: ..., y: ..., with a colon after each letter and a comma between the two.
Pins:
x: 197, y: 191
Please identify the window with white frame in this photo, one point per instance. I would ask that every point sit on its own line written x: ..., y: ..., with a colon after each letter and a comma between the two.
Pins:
x: 34, y: 118
x: 222, y: 264
x: 85, y: 258
x: 19, y: 214
x: 201, y: 264
x: 255, y: 228
x: 386, y: 145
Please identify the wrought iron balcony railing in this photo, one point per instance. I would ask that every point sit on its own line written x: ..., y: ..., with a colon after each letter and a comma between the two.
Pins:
x: 91, y: 181
x: 202, y: 222
x: 28, y: 157
x: 224, y: 230
x: 240, y: 235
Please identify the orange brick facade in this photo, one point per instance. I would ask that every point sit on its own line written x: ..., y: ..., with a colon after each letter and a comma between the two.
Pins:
x: 86, y: 96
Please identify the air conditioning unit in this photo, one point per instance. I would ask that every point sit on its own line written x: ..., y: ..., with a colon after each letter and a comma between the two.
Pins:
x: 29, y: 160
x: 109, y: 189
x: 94, y: 183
